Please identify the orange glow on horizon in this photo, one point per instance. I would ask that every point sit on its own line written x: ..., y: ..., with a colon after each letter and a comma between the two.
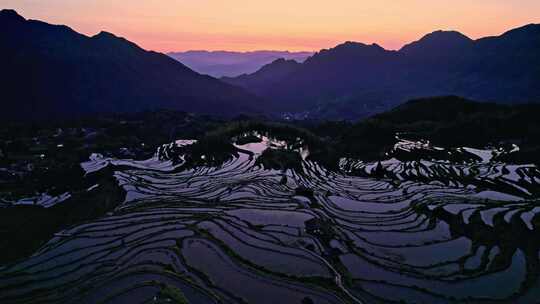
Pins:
x: 243, y: 25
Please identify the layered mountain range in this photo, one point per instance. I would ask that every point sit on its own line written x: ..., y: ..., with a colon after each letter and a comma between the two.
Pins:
x: 53, y: 71
x: 355, y: 80
x: 232, y: 64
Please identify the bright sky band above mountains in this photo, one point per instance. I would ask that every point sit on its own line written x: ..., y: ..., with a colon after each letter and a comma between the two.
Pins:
x: 243, y: 25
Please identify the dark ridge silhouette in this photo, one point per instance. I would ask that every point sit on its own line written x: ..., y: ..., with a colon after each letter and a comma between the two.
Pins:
x: 355, y: 80
x: 53, y: 71
x: 438, y: 42
x: 276, y: 70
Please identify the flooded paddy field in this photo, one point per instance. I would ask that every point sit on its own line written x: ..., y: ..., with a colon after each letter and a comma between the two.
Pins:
x: 246, y: 230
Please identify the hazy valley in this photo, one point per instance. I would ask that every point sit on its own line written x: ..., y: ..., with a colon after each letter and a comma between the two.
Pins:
x: 231, y: 64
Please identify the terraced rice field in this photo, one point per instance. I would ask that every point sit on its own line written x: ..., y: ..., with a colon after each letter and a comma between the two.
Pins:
x: 423, y: 232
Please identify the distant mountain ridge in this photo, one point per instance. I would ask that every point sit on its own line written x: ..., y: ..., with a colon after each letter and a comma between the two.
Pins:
x: 355, y: 80
x: 276, y: 70
x: 231, y: 64
x: 53, y: 71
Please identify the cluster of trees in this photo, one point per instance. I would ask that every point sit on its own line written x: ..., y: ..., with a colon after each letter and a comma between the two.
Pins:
x: 448, y: 121
x: 445, y: 121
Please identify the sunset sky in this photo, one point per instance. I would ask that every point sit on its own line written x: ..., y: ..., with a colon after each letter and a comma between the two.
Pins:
x: 176, y: 25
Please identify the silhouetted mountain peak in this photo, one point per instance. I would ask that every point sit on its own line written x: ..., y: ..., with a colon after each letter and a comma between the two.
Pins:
x: 279, y: 65
x: 269, y: 73
x: 110, y: 38
x: 51, y: 70
x: 438, y: 40
x: 353, y: 80
x: 279, y: 60
x: 105, y: 35
x: 283, y: 61
x: 352, y: 45
x: 9, y: 15
x: 522, y: 40
x: 527, y: 32
x: 13, y: 24
x: 349, y: 50
x: 441, y: 35
x: 531, y: 28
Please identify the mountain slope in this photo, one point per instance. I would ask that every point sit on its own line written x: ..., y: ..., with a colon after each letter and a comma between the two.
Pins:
x: 51, y: 70
x: 355, y: 80
x: 231, y: 64
x: 278, y: 69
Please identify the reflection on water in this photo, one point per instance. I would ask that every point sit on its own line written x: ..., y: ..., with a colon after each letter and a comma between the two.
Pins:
x: 265, y: 142
x: 418, y: 232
